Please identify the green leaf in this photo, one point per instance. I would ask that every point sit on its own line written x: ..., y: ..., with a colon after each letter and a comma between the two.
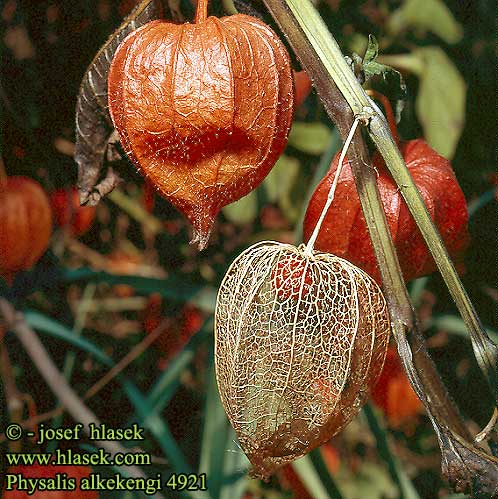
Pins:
x: 311, y: 478
x: 440, y: 101
x: 324, y: 474
x: 280, y: 180
x: 371, y: 481
x: 234, y: 469
x: 441, y: 98
x: 423, y: 16
x: 214, y: 437
x: 175, y: 287
x: 244, y: 210
x: 167, y: 383
x: 395, y: 469
x: 57, y: 330
x: 372, y: 50
x: 151, y: 421
x: 455, y: 325
x: 311, y: 138
x: 44, y: 324
x: 160, y: 429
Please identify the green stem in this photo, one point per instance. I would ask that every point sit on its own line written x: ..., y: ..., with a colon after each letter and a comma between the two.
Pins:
x: 466, y: 467
x: 70, y: 359
x: 484, y: 349
x: 136, y: 211
x: 330, y: 55
x: 425, y: 378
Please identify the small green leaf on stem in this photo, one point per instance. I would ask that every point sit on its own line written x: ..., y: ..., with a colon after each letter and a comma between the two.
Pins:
x: 371, y: 68
x: 440, y: 103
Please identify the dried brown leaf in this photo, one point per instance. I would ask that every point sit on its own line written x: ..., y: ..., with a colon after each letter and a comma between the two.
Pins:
x: 467, y: 468
x: 93, y: 123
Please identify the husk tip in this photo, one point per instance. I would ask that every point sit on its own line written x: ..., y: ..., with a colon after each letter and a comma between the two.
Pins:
x: 200, y: 238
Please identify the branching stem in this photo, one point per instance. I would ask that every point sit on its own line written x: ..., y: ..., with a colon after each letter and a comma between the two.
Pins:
x: 328, y: 51
x: 467, y: 467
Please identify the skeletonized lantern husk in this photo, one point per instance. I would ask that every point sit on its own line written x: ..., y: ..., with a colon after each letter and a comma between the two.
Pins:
x: 299, y: 339
x: 203, y: 110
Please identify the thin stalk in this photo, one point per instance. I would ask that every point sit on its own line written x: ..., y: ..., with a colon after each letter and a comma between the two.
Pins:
x: 70, y: 359
x: 12, y: 396
x: 330, y: 196
x: 327, y: 49
x: 201, y: 11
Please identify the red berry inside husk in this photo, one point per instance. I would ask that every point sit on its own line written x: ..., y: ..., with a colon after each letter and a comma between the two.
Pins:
x: 288, y: 278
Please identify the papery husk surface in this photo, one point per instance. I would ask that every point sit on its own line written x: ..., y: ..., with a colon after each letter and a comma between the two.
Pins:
x: 203, y: 110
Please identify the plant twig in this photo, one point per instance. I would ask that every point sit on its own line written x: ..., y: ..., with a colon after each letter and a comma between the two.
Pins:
x: 101, y: 382
x: 467, y: 467
x: 330, y: 195
x: 340, y: 112
x: 326, y: 48
x: 136, y: 211
x: 135, y: 352
x: 13, y: 397
x: 56, y: 381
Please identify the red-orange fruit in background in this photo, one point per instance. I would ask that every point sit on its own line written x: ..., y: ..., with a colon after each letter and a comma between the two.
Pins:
x: 302, y: 82
x: 393, y: 392
x: 68, y: 213
x: 25, y: 224
x: 51, y: 474
x: 344, y: 232
x: 203, y: 110
x: 187, y: 323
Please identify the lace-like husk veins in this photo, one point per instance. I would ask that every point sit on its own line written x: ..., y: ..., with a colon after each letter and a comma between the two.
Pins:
x: 298, y: 342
